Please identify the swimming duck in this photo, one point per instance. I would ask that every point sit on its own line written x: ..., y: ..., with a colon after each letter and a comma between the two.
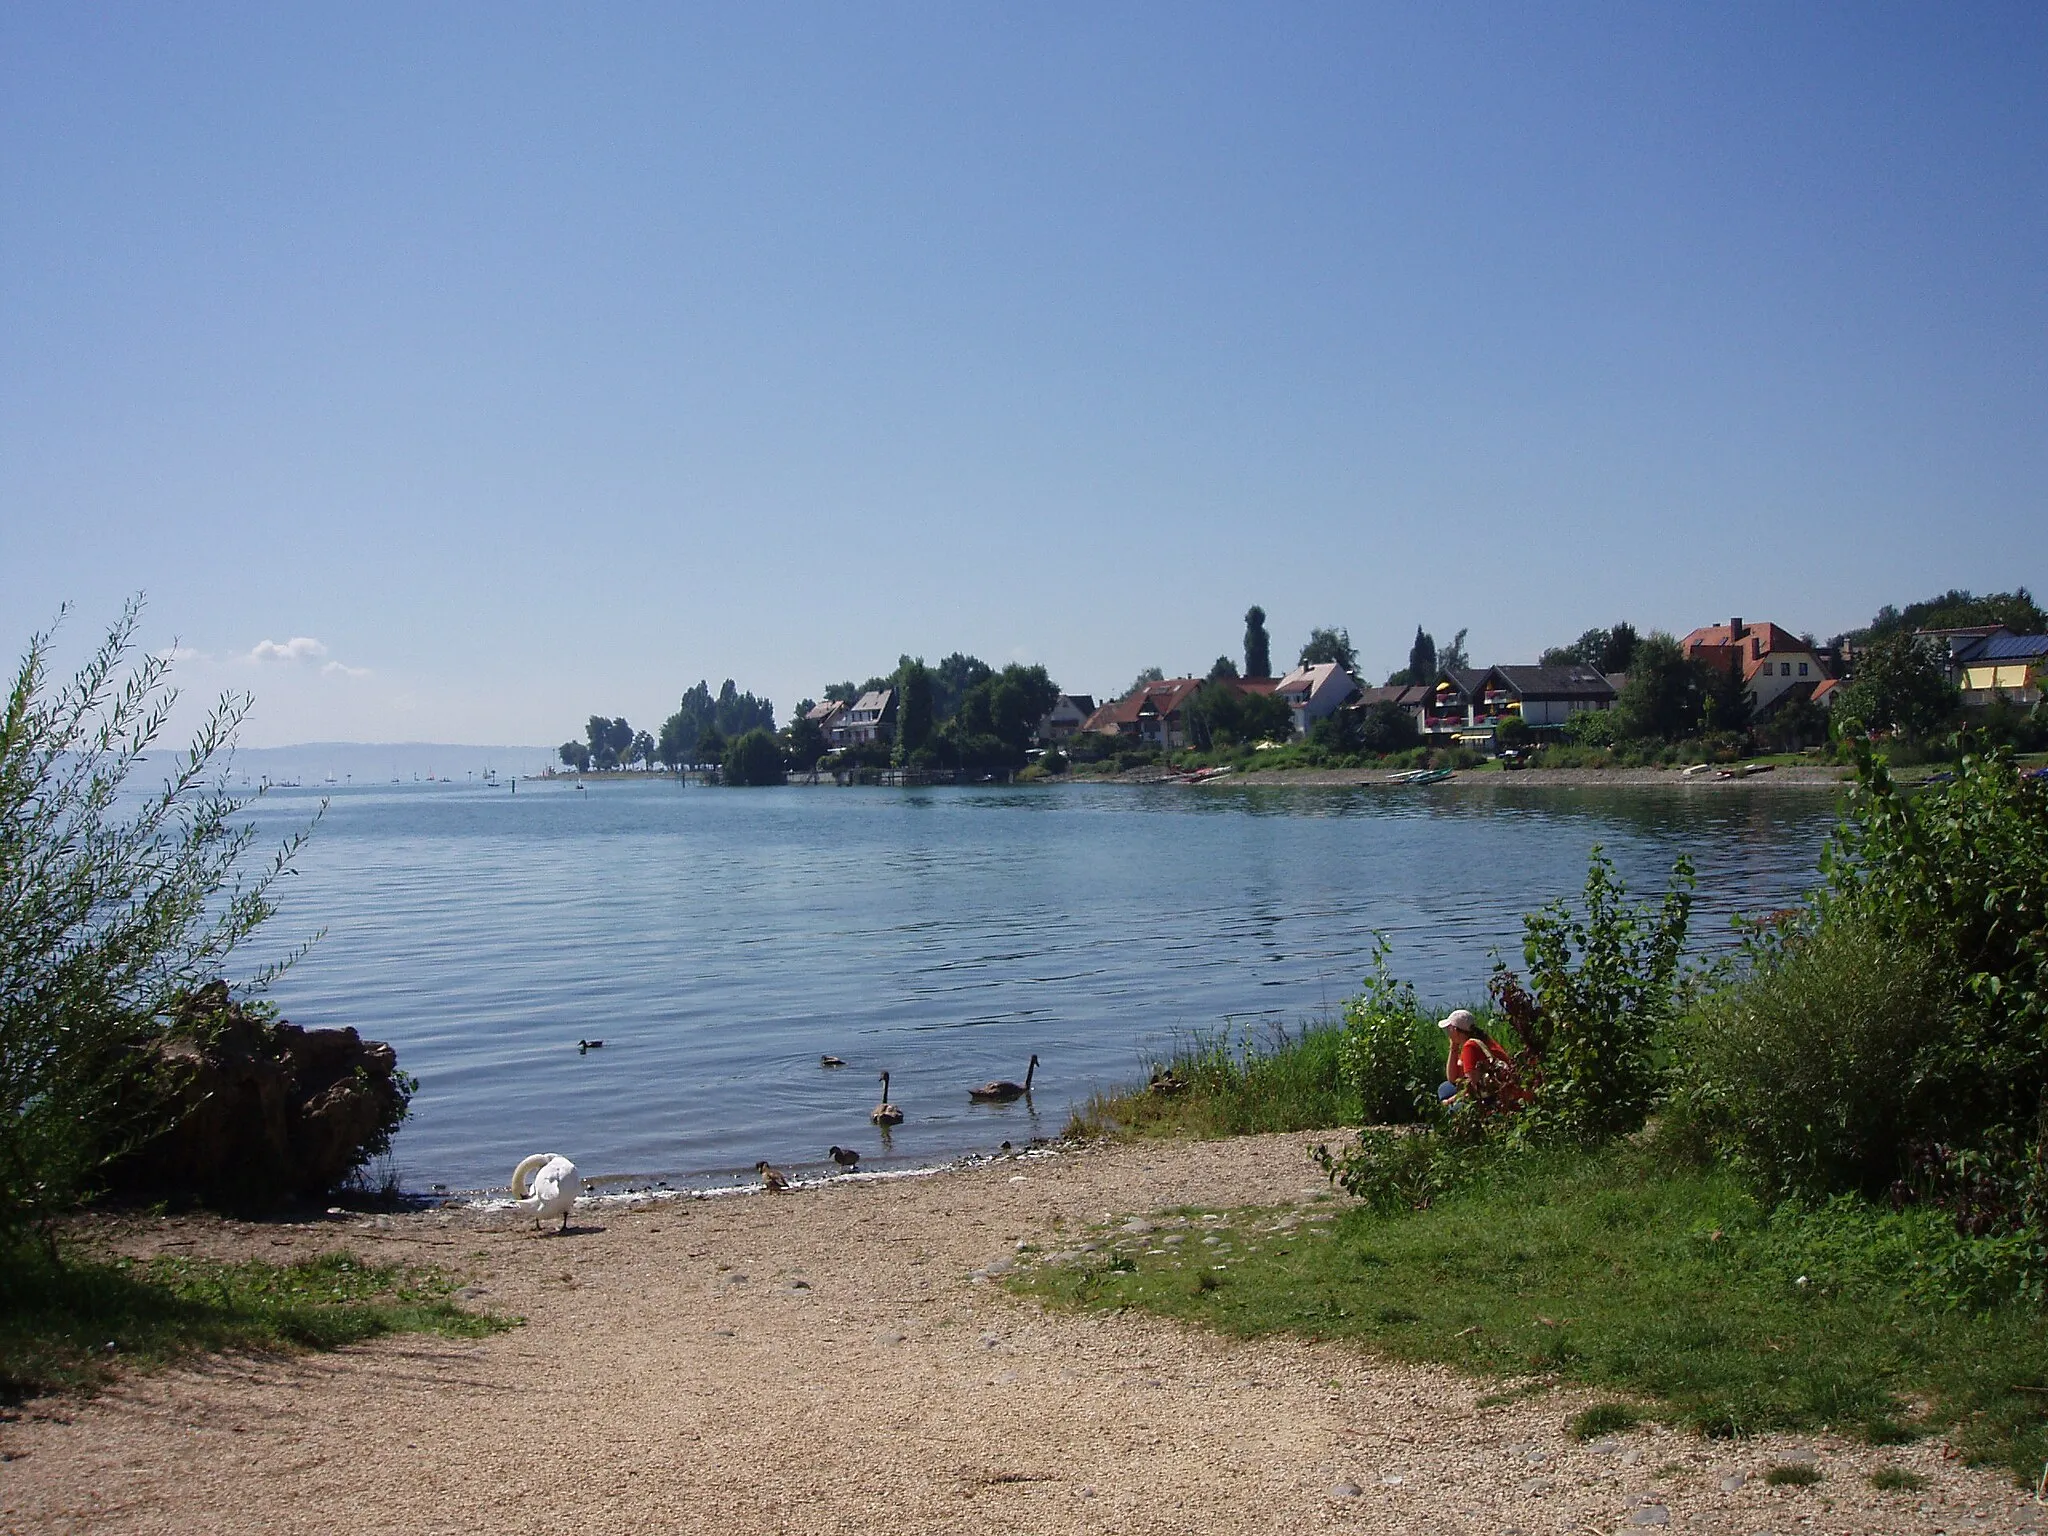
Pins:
x: 831, y: 1061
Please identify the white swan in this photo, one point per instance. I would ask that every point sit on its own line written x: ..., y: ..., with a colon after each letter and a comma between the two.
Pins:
x: 546, y: 1184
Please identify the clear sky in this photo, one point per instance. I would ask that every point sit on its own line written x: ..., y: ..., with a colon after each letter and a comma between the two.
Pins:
x: 450, y: 372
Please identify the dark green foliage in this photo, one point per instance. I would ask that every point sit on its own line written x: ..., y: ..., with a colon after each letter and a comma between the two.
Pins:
x: 1613, y: 1272
x: 1224, y: 669
x: 1605, y: 650
x: 1145, y: 679
x: 1899, y: 686
x: 1421, y: 658
x: 997, y: 719
x: 1452, y: 657
x: 914, y: 712
x: 1326, y: 645
x: 1665, y: 696
x: 753, y: 759
x: 1726, y: 704
x: 609, y: 741
x: 1956, y: 609
x: 1605, y: 1419
x: 114, y: 904
x: 1220, y: 715
x: 1513, y: 733
x: 1387, y: 727
x: 1895, y: 1029
x: 574, y: 754
x: 58, y: 1315
x: 702, y: 725
x: 803, y: 742
x: 952, y: 680
x: 1603, y: 986
x: 1258, y: 646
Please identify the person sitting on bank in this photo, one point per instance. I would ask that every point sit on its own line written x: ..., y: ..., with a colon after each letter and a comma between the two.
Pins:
x: 1473, y: 1060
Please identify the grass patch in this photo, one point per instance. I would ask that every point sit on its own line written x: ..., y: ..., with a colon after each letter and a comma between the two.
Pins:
x: 1896, y: 1480
x: 1607, y: 1271
x: 66, y: 1325
x: 1289, y: 1080
x: 1795, y: 1474
x: 1605, y: 1419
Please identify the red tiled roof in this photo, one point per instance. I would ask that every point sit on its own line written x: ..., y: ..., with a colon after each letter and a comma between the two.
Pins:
x: 1717, y: 645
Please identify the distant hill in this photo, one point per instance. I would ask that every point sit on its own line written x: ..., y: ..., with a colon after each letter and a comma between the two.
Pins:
x: 374, y: 762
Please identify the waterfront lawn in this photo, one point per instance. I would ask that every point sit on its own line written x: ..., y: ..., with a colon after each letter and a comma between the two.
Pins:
x: 1673, y: 1288
x: 1288, y: 1082
x: 66, y: 1325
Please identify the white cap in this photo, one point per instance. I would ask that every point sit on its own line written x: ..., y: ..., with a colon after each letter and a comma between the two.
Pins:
x: 1460, y: 1018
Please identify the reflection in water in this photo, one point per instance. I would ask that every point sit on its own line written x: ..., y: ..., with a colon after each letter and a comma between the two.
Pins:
x: 719, y: 941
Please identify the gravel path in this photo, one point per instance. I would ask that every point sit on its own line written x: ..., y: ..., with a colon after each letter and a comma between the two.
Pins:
x: 829, y: 1361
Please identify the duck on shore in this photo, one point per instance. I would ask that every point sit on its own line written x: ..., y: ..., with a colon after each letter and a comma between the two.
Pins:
x: 774, y: 1180
x: 845, y: 1157
x: 1003, y: 1090
x: 886, y: 1113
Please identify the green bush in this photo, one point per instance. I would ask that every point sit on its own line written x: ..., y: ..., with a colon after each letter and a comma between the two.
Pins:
x: 1895, y: 1029
x: 1388, y: 1053
x: 1604, y: 988
x: 752, y: 759
x: 106, y: 919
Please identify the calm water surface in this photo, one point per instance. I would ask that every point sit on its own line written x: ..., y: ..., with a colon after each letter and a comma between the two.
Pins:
x: 719, y: 941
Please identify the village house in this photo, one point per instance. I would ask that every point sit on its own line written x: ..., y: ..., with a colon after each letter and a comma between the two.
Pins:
x: 1314, y: 693
x: 2002, y: 664
x: 1069, y: 714
x: 825, y: 715
x: 1154, y: 714
x: 1774, y: 662
x: 1412, y: 698
x: 869, y: 719
x: 1545, y: 696
x: 1453, y: 710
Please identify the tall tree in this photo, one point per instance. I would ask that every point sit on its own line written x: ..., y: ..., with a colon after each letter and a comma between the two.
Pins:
x: 574, y: 754
x: 951, y: 680
x: 914, y: 719
x: 1452, y: 658
x: 1958, y: 609
x: 1620, y: 649
x: 1145, y: 679
x: 1422, y: 657
x: 1898, y: 686
x: 1258, y: 646
x: 1664, y: 698
x: 1325, y: 645
x: 1224, y: 667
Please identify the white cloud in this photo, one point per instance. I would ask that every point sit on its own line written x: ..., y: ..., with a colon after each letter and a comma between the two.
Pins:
x: 343, y: 669
x: 178, y: 653
x: 298, y: 648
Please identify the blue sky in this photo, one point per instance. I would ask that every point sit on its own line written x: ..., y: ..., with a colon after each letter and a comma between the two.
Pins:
x: 447, y: 373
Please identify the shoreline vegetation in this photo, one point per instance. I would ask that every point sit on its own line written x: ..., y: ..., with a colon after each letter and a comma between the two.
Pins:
x: 1805, y: 1189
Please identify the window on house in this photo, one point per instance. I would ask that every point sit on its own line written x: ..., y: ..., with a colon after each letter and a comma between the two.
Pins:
x: 1784, y: 669
x: 1802, y: 669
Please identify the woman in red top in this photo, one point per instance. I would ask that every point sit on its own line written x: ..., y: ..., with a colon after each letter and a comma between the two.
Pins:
x: 1472, y: 1059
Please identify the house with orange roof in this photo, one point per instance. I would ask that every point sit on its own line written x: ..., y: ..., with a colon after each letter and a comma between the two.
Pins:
x: 1155, y: 714
x: 1773, y: 661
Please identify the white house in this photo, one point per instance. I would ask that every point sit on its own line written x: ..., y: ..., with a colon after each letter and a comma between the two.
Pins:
x: 1315, y: 693
x: 1066, y: 717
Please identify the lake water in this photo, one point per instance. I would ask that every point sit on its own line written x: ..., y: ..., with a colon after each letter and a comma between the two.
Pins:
x: 719, y: 941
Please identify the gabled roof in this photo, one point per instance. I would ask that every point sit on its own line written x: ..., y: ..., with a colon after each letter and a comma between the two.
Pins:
x: 1825, y: 689
x: 1716, y: 644
x: 1163, y: 699
x: 822, y: 713
x: 1573, y: 682
x: 1466, y: 681
x: 878, y: 702
x: 1310, y: 679
x: 1404, y: 694
x: 1084, y: 702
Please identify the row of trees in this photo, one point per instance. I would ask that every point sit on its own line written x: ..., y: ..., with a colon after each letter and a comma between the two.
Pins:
x: 698, y: 732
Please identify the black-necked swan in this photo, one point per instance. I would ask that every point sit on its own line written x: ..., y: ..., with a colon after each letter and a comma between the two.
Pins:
x: 546, y: 1184
x: 1002, y: 1090
x: 886, y: 1113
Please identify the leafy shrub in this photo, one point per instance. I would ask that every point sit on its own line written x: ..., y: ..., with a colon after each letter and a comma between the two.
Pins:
x: 106, y: 922
x: 1603, y: 987
x: 1896, y: 1028
x: 1802, y: 1072
x: 752, y: 759
x: 1386, y: 1059
x: 1395, y: 1170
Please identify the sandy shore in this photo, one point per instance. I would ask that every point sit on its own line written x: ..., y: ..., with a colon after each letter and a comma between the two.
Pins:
x: 830, y: 1361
